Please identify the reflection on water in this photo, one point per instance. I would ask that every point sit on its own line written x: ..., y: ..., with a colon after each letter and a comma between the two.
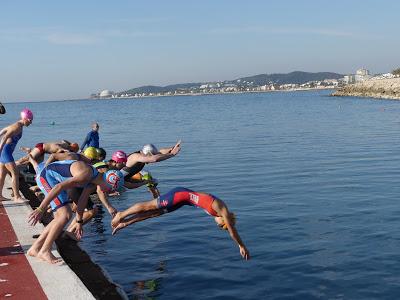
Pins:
x: 149, y: 289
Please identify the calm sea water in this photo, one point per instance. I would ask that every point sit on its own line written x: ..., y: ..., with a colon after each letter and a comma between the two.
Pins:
x: 313, y: 181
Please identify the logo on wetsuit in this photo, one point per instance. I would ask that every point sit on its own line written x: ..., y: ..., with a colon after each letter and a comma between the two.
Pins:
x: 194, y: 198
x: 113, y: 180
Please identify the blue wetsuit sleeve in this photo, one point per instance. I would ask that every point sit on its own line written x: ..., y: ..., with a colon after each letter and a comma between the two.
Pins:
x: 86, y: 141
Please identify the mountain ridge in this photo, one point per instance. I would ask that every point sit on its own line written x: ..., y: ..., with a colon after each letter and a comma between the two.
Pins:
x: 297, y: 77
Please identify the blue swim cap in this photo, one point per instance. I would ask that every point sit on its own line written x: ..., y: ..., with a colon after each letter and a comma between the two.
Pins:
x: 114, y: 179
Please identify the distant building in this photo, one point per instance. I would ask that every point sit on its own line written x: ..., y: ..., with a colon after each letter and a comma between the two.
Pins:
x: 106, y: 94
x: 362, y: 72
x: 349, y: 79
x: 362, y: 75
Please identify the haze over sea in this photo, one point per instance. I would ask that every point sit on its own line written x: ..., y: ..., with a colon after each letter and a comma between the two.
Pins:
x: 312, y: 179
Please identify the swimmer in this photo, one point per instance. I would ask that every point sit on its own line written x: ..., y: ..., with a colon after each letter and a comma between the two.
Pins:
x: 11, y: 135
x: 91, y: 209
x: 174, y: 199
x: 88, y: 156
x: 41, y: 149
x: 92, y: 138
x: 54, y: 181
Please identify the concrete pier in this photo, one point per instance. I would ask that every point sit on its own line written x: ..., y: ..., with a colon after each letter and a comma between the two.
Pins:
x: 25, y: 277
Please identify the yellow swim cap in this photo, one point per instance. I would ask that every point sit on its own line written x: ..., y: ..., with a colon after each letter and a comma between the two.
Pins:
x: 90, y: 152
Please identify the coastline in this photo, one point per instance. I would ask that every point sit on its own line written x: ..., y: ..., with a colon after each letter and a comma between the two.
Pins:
x: 205, y: 94
x: 378, y: 89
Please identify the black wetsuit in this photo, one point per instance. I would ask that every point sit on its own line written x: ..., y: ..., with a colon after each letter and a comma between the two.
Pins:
x: 136, y: 168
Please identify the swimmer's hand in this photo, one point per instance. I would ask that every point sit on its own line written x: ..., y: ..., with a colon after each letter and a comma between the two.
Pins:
x: 244, y: 252
x: 35, y: 216
x: 78, y: 231
x: 175, y: 150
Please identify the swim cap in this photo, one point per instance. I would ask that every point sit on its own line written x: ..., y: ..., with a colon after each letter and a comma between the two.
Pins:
x: 119, y: 157
x: 74, y: 147
x: 101, y: 153
x: 100, y: 165
x: 149, y: 149
x: 26, y: 114
x: 90, y: 152
x: 114, y: 179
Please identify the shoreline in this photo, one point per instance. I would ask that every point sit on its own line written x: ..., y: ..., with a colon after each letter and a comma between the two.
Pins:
x: 377, y: 89
x: 206, y: 94
x: 187, y: 94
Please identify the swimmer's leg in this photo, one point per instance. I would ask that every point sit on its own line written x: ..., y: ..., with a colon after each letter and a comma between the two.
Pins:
x: 37, y: 245
x: 137, y: 218
x: 137, y: 208
x: 61, y: 217
x: 12, y: 168
x: 3, y: 174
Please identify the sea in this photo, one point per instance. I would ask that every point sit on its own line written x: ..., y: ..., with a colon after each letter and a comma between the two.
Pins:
x: 313, y: 181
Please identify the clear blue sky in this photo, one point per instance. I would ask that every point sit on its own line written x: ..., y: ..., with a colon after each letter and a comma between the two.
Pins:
x: 69, y: 49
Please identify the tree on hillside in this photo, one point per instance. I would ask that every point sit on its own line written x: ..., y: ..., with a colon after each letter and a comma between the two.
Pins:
x: 396, y: 72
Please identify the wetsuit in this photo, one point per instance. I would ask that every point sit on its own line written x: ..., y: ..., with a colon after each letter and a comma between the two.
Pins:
x: 130, y: 171
x: 53, y: 174
x: 180, y: 196
x: 91, y: 140
x: 8, y: 149
x: 40, y: 147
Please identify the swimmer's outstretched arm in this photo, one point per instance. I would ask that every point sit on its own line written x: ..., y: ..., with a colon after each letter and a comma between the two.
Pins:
x: 36, y: 215
x: 32, y: 161
x: 169, y: 150
x: 104, y: 200
x: 25, y: 149
x: 235, y: 235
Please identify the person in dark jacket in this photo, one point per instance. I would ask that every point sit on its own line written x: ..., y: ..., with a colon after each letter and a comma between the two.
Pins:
x: 92, y: 138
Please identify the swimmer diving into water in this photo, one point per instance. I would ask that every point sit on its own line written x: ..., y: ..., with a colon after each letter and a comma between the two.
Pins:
x: 174, y: 199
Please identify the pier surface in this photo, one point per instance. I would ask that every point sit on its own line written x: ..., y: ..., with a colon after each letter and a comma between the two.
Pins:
x: 25, y: 277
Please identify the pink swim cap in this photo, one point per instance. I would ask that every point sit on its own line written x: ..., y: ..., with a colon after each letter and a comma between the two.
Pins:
x: 26, y: 114
x: 119, y: 156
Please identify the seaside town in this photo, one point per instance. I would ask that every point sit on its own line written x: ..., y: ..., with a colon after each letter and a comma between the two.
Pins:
x: 242, y: 86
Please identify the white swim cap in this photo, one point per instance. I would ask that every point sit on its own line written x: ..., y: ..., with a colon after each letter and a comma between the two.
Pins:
x: 149, y: 149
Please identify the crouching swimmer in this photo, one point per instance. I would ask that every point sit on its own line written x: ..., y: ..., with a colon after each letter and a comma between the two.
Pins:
x: 176, y: 198
x: 54, y: 180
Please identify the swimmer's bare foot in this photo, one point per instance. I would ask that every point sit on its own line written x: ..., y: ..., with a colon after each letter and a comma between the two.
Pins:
x: 116, y: 220
x: 49, y: 257
x: 118, y: 228
x: 2, y: 198
x: 32, y: 252
x: 20, y: 200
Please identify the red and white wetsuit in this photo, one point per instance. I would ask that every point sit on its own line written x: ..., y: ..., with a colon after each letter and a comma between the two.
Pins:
x: 180, y: 196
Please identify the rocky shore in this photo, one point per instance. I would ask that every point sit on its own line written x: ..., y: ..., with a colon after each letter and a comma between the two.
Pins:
x: 378, y: 88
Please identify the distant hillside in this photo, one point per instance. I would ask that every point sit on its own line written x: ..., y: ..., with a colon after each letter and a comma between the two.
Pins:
x: 293, y: 77
x: 161, y: 89
x: 297, y: 77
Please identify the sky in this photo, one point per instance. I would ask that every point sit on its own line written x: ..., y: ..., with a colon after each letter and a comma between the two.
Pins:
x: 53, y: 50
